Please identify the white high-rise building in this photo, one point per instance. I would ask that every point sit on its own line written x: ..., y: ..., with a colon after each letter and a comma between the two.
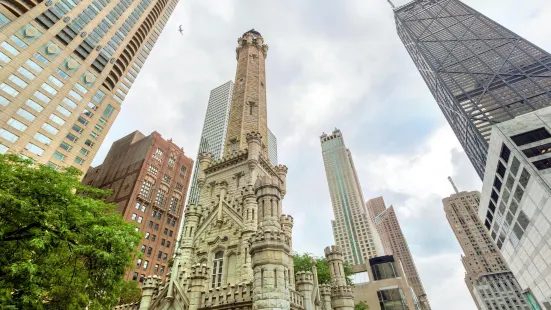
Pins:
x: 352, y: 229
x: 272, y: 148
x: 213, y: 136
x: 515, y: 205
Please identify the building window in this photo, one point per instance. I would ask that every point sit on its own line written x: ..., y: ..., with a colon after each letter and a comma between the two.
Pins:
x: 140, y: 219
x: 173, y: 204
x: 161, y: 195
x: 134, y: 215
x: 146, y: 188
x: 108, y: 111
x: 17, y: 124
x: 531, y: 136
x: 153, y: 170
x: 49, y: 128
x: 158, y: 155
x: 33, y: 105
x: 89, y: 143
x: 34, y: 149
x: 147, y: 235
x: 59, y: 156
x: 84, y: 151
x: 183, y: 172
x: 217, y: 265
x: 145, y: 264
x: 8, y: 135
x: 58, y: 120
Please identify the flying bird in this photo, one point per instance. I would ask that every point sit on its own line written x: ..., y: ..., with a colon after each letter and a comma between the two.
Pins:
x: 181, y: 30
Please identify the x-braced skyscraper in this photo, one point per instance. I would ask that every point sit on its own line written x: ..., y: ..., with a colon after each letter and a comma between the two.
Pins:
x: 479, y: 72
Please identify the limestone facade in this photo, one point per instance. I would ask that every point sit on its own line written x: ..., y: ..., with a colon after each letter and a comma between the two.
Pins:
x: 235, y: 245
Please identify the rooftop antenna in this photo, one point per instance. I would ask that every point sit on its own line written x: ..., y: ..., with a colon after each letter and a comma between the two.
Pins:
x: 453, y: 184
x: 391, y: 4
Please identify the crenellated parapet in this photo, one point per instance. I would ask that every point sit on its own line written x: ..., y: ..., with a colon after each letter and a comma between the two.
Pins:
x: 269, y: 239
x: 304, y: 281
x: 325, y: 290
x: 325, y: 295
x: 150, y: 286
x: 227, y: 160
x: 268, y: 196
x: 227, y: 295
x: 251, y: 37
x: 345, y: 291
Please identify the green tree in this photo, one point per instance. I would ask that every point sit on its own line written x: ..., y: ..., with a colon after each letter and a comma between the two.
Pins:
x: 130, y: 293
x: 303, y: 262
x: 61, y: 245
x: 362, y: 305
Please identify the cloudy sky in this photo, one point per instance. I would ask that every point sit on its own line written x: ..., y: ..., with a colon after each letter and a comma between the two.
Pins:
x: 331, y: 64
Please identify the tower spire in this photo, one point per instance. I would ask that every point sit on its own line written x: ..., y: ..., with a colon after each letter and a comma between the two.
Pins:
x: 391, y: 4
x: 453, y: 184
x: 248, y: 112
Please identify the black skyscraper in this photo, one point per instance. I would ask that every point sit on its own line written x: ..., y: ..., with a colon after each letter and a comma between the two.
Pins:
x: 479, y: 72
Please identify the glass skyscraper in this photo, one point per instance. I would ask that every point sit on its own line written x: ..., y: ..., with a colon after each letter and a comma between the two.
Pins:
x: 272, y: 148
x: 352, y: 229
x: 213, y: 135
x: 479, y: 72
x: 65, y: 69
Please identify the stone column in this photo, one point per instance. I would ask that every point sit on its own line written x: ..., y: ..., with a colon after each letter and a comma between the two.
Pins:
x: 342, y: 296
x: 198, y: 277
x: 287, y: 227
x: 249, y: 228
x: 205, y: 159
x: 191, y: 221
x: 148, y: 287
x: 305, y: 285
x: 270, y: 249
x: 325, y: 293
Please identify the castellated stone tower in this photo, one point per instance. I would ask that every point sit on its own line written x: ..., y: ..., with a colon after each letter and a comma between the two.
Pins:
x: 235, y: 246
x: 248, y: 112
x: 342, y: 296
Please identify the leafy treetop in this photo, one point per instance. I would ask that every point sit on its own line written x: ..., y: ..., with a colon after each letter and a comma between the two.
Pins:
x: 61, y: 245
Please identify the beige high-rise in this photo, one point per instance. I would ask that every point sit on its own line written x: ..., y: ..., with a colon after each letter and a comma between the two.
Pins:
x: 394, y: 243
x: 353, y: 231
x: 65, y: 69
x: 484, y: 266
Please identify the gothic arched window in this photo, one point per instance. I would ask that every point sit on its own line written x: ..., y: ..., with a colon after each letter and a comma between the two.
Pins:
x: 217, y: 263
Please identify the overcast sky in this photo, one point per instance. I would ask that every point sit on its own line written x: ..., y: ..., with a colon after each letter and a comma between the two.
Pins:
x: 331, y: 64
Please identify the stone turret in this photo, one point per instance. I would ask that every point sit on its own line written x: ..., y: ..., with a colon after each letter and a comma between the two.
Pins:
x: 281, y: 171
x: 305, y: 285
x: 205, y: 160
x: 342, y: 296
x: 268, y: 197
x: 191, y: 221
x: 197, y: 280
x: 287, y: 227
x: 149, y: 286
x: 250, y: 220
x: 270, y: 251
x: 325, y: 293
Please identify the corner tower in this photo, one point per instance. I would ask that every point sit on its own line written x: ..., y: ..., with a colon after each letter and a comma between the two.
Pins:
x: 248, y: 112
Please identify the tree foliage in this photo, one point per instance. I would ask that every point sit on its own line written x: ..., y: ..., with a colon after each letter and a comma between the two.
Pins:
x: 303, y: 262
x: 130, y: 293
x: 61, y: 245
x: 362, y: 305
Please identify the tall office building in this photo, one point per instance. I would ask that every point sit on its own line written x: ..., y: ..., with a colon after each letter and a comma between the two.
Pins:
x: 149, y: 177
x: 353, y: 231
x: 272, y: 148
x: 213, y: 135
x: 479, y: 72
x: 65, y: 69
x: 516, y: 200
x: 394, y: 243
x: 488, y: 278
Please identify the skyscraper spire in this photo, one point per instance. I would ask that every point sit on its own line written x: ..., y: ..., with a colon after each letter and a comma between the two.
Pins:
x: 391, y: 4
x: 453, y: 184
x: 248, y: 112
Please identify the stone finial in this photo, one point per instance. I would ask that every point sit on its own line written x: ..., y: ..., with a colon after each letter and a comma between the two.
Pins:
x: 205, y: 157
x: 199, y: 270
x: 150, y: 283
x: 286, y: 221
x: 192, y: 210
x: 304, y: 277
x: 331, y: 250
x: 325, y: 290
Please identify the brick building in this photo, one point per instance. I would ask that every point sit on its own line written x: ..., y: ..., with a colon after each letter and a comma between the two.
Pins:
x: 149, y: 177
